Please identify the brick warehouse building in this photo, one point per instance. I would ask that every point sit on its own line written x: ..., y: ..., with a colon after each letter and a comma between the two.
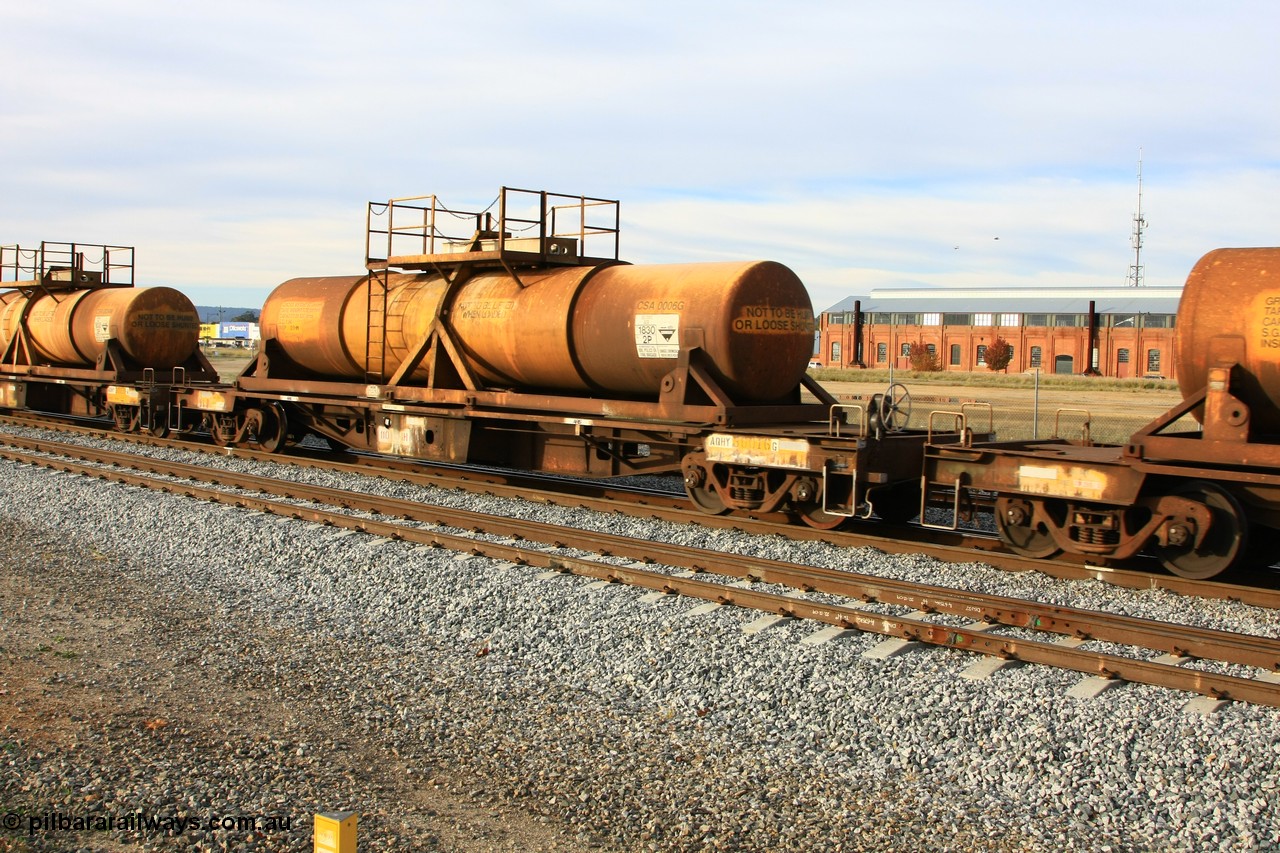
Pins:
x: 1131, y: 329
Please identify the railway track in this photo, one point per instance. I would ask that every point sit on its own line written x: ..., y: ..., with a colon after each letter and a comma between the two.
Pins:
x: 603, y: 496
x: 1009, y: 629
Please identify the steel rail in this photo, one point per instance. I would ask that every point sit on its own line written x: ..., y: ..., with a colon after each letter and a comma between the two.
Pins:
x: 1178, y: 640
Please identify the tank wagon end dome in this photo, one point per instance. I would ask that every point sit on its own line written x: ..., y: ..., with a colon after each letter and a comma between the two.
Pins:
x: 1230, y: 312
x: 753, y: 319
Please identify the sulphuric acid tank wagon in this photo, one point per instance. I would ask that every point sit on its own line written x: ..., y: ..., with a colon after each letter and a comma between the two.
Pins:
x: 157, y: 327
x: 519, y: 343
x: 610, y: 329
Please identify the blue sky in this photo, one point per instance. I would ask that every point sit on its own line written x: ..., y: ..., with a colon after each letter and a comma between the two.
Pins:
x: 862, y: 144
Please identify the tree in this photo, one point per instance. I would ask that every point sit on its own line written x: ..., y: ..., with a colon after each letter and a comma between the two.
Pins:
x: 999, y: 354
x: 921, y: 359
x: 249, y: 316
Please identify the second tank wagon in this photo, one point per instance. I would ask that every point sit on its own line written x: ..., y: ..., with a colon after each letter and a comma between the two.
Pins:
x: 525, y: 341
x: 601, y: 329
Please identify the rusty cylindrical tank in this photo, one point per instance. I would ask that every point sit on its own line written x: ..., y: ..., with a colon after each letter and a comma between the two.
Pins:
x: 1230, y: 312
x: 157, y: 327
x: 614, y: 329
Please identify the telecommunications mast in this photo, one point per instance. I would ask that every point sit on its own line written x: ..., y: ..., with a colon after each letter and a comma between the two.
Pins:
x: 1135, y: 271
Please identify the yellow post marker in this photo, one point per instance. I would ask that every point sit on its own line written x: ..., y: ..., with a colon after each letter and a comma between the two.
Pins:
x: 335, y: 832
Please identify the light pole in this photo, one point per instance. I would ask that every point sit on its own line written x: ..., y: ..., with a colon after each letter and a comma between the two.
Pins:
x: 893, y: 344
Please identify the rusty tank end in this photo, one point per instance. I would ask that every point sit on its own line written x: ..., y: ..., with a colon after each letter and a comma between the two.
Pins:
x: 157, y: 327
x: 614, y: 329
x: 753, y: 319
x: 1230, y: 312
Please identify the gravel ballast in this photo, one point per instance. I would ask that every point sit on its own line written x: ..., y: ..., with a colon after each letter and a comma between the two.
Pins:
x: 459, y: 703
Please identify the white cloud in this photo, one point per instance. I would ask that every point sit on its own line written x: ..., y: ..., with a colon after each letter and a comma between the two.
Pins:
x: 235, y: 144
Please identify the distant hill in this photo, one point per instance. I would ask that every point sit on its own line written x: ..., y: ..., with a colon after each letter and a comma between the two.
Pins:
x: 219, y: 315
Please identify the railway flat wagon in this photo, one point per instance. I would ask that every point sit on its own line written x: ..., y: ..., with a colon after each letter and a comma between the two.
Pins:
x: 516, y: 337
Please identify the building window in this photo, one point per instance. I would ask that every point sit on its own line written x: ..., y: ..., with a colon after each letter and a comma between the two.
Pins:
x: 1122, y: 356
x: 835, y: 353
x: 1037, y: 319
x: 1157, y: 321
x: 882, y: 352
x: 932, y: 320
x: 957, y: 319
x: 1035, y: 356
x: 982, y: 355
x: 908, y: 319
x: 1067, y: 320
x: 906, y: 349
x: 955, y: 354
x: 1009, y: 319
x: 1153, y: 361
x: 932, y: 350
x: 982, y: 319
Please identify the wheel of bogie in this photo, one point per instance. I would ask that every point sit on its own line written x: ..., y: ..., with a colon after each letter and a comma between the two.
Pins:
x: 700, y: 487
x: 895, y: 408
x: 706, y: 499
x: 814, y: 516
x: 1015, y: 522
x: 898, y: 504
x: 1225, y: 543
x: 251, y: 427
x: 273, y: 434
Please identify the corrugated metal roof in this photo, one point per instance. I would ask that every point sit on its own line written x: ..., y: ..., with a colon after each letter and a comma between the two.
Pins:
x: 1049, y: 300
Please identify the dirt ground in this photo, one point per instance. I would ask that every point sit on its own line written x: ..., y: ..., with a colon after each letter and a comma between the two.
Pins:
x: 1102, y: 400
x: 97, y: 687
